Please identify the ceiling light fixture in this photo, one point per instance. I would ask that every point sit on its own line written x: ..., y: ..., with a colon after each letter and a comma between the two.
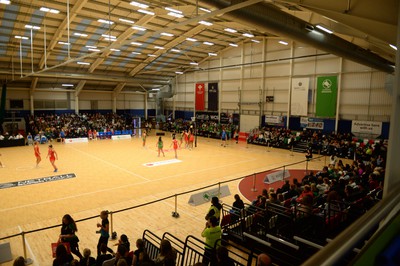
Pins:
x: 191, y: 39
x: 233, y: 45
x: 134, y: 3
x: 137, y: 43
x: 283, y: 42
x: 94, y: 50
x: 136, y: 53
x: 110, y: 39
x: 179, y: 72
x: 166, y: 34
x: 173, y: 14
x: 109, y: 36
x: 90, y: 46
x: 80, y: 34
x: 6, y: 2
x: 146, y: 12
x: 194, y: 63
x: 46, y: 9
x: 155, y: 89
x: 105, y: 21
x: 159, y: 47
x: 230, y: 30
x: 67, y: 85
x: 393, y: 46
x: 249, y: 35
x: 151, y: 55
x: 206, y: 23
x: 82, y: 63
x: 175, y: 50
x: 21, y: 37
x: 208, y: 43
x: 64, y: 43
x: 138, y: 28
x: 256, y: 41
x: 212, y: 54
x: 205, y: 9
x: 173, y: 10
x: 324, y: 29
x: 115, y: 50
x: 127, y: 20
x: 32, y: 27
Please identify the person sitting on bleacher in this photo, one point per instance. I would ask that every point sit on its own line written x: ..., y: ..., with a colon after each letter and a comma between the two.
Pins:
x: 167, y: 255
x: 223, y: 257
x: 103, y: 256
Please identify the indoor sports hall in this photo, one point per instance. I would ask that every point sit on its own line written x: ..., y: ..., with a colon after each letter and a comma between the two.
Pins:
x: 145, y: 111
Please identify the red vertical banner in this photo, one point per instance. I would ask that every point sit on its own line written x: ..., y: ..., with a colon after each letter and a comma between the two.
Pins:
x: 199, y: 101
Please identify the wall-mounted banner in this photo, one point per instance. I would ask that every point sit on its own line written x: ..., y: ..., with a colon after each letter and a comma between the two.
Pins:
x: 326, y: 96
x: 312, y: 123
x: 199, y: 101
x: 212, y: 96
x: 274, y: 119
x: 299, y: 98
x: 366, y: 127
x: 207, y: 116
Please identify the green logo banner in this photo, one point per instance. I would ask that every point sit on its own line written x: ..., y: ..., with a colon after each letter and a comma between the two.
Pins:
x: 326, y: 96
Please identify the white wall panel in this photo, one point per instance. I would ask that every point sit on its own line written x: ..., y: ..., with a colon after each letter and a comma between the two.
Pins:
x: 254, y: 71
x: 95, y: 96
x: 304, y: 67
x: 327, y: 64
x: 277, y: 69
x: 231, y: 73
x: 84, y: 105
x: 39, y: 95
x: 351, y: 66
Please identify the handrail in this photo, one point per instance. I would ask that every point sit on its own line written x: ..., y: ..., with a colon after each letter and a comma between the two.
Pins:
x: 161, y: 199
x: 356, y: 232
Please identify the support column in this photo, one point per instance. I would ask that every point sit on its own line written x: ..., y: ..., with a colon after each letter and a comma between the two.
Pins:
x: 32, y: 108
x: 114, y: 103
x: 76, y: 104
x: 240, y: 89
x: 339, y: 88
x: 146, y: 95
x: 290, y: 84
x: 262, y: 100
x: 392, y: 175
x: 220, y: 88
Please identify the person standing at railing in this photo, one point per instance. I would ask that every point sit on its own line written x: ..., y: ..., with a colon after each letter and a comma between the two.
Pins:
x: 212, y: 232
x: 68, y: 230
x: 215, y: 209
x: 104, y: 232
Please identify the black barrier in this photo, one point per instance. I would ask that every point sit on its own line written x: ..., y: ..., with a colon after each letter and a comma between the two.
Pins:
x: 12, y: 143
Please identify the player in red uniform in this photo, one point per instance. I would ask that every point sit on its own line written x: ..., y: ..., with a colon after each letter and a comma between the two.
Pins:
x: 175, y: 144
x: 37, y: 153
x: 52, y: 154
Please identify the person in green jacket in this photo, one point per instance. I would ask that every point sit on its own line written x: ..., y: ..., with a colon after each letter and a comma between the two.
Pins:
x: 160, y: 146
x: 212, y: 233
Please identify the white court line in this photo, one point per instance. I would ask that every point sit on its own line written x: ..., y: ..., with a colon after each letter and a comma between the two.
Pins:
x: 111, y: 164
x: 124, y: 186
x: 29, y: 248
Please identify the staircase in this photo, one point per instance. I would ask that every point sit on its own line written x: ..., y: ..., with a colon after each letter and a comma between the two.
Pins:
x: 300, y: 147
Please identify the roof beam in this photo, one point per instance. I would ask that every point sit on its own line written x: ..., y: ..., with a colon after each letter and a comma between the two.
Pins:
x: 123, y: 37
x: 79, y: 87
x: 34, y: 84
x: 118, y: 89
x: 58, y: 34
x: 169, y: 45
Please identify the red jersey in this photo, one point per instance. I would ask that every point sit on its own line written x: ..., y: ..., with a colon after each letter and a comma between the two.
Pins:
x: 175, y: 142
x: 36, y: 149
x: 51, y: 155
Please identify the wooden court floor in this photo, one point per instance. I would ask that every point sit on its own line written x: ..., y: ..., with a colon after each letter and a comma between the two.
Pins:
x: 110, y: 175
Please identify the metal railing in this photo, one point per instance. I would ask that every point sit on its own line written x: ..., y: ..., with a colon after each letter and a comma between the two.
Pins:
x: 303, y: 164
x: 379, y: 215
